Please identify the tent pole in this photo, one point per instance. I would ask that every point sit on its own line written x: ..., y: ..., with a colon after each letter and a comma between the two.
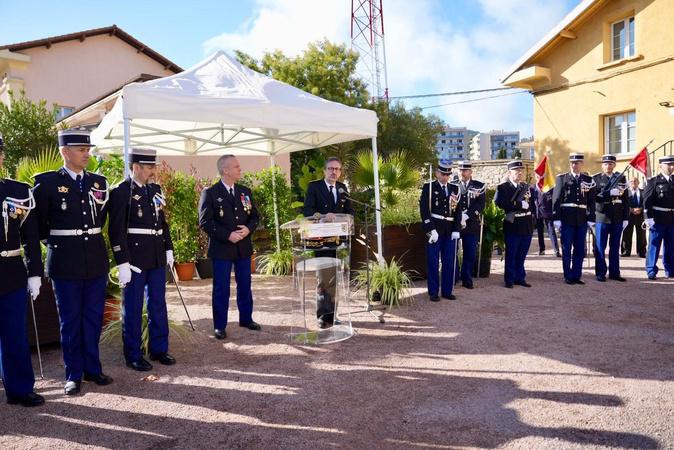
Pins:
x: 377, y: 202
x: 273, y: 191
x: 127, y: 139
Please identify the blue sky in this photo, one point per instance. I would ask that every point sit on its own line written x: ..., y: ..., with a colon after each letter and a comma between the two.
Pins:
x: 432, y: 45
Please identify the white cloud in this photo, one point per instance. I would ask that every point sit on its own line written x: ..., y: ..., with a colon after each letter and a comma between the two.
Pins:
x: 425, y: 53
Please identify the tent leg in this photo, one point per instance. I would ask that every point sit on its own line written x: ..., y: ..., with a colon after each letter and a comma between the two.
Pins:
x: 377, y: 202
x: 127, y: 139
x: 273, y: 191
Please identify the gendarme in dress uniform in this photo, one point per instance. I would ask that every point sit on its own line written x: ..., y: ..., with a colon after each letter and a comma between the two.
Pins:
x: 142, y: 247
x: 472, y: 203
x: 71, y: 206
x: 659, y: 211
x: 19, y: 229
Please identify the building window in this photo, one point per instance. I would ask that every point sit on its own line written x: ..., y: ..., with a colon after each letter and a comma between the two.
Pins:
x: 620, y: 133
x: 63, y: 111
x: 622, y: 39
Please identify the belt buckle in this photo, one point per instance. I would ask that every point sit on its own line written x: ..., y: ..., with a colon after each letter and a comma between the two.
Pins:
x: 4, y: 253
x: 79, y: 232
x: 154, y: 232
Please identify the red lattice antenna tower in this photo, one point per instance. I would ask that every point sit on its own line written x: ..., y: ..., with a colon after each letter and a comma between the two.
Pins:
x: 367, y: 38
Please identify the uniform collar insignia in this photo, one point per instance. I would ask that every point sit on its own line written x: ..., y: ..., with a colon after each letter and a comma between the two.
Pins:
x: 136, y: 197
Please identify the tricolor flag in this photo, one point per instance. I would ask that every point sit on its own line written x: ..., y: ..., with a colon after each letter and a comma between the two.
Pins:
x: 545, y: 179
x: 640, y: 162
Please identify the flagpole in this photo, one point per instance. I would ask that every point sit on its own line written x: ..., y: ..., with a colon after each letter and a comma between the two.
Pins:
x: 615, y: 181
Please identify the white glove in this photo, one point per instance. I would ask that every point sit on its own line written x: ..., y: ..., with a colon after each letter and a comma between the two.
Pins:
x: 590, y: 224
x: 124, y: 275
x: 525, y: 204
x: 34, y: 284
x: 615, y: 192
x: 625, y: 222
x: 557, y: 224
x: 464, y: 217
x: 433, y: 238
x: 456, y: 235
x: 169, y: 258
x: 650, y: 223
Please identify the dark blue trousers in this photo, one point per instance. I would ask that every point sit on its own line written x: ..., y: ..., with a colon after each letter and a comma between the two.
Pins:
x: 573, y: 250
x: 660, y: 235
x: 444, y: 248
x: 80, y: 304
x: 151, y: 284
x: 15, y: 364
x: 222, y: 270
x: 611, y: 234
x: 516, y: 249
x: 469, y: 246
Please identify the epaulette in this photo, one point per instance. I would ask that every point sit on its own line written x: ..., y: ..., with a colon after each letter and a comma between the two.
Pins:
x: 16, y: 183
x: 44, y: 175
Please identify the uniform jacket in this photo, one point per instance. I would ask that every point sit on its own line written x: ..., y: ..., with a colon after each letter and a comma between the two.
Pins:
x: 509, y: 198
x: 61, y: 206
x: 569, y: 190
x: 472, y: 204
x: 659, y: 192
x: 544, y: 205
x: 21, y: 231
x: 440, y: 204
x: 319, y: 200
x: 220, y: 214
x: 611, y: 208
x: 132, y: 206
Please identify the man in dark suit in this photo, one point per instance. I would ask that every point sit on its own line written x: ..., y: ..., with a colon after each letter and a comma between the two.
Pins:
x: 71, y: 212
x: 228, y: 216
x: 16, y: 280
x: 573, y: 211
x: 543, y: 202
x: 472, y: 203
x: 441, y: 220
x: 635, y: 222
x: 612, y: 214
x: 327, y: 197
x: 514, y: 197
x: 141, y: 244
x: 659, y: 211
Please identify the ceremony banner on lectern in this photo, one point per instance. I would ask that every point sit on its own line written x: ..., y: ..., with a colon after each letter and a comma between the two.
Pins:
x: 321, y: 247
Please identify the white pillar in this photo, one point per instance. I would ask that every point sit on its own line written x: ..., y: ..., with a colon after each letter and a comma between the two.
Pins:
x: 377, y: 203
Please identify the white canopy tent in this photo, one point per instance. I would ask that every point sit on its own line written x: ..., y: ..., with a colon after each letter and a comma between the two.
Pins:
x: 221, y: 107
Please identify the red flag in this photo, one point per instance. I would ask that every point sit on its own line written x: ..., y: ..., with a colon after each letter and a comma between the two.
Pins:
x: 545, y: 181
x: 640, y: 161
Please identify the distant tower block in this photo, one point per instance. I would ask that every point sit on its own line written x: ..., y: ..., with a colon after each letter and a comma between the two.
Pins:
x: 367, y: 38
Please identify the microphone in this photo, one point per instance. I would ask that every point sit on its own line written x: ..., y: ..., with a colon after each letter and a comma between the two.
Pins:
x: 344, y: 194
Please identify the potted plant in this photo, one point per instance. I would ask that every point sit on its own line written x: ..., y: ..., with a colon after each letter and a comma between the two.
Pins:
x: 389, y: 282
x: 277, y: 263
x: 492, y: 234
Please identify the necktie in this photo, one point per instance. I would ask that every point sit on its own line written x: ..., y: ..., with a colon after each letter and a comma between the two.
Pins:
x: 231, y: 192
x: 78, y: 179
x: 332, y: 194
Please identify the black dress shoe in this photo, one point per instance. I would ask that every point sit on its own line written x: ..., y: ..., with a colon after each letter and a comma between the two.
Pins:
x: 141, y: 365
x: 618, y: 278
x: 251, y: 326
x: 600, y: 278
x: 434, y: 298
x: 652, y: 277
x: 28, y: 400
x: 524, y: 284
x: 163, y: 358
x: 220, y: 334
x: 449, y: 297
x: 579, y: 282
x: 558, y: 255
x: 323, y: 324
x: 541, y: 252
x: 567, y: 281
x: 101, y: 379
x: 72, y: 387
x: 509, y: 285
x: 467, y: 285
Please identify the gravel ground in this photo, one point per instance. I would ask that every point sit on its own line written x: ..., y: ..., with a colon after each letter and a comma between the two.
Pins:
x: 553, y: 366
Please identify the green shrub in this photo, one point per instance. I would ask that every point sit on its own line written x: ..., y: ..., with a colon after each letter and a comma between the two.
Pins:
x: 388, y: 279
x: 277, y: 263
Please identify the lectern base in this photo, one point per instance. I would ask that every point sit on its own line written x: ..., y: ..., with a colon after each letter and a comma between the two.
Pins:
x: 336, y: 333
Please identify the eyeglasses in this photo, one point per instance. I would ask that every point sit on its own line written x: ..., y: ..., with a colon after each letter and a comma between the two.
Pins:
x: 333, y: 169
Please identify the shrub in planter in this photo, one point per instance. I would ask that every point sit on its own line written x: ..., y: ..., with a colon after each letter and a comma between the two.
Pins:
x: 277, y: 263
x: 390, y: 283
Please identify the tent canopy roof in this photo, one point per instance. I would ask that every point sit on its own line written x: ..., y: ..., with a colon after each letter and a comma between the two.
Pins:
x: 219, y: 106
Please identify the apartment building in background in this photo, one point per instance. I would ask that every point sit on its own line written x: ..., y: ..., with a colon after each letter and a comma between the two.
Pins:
x: 453, y: 143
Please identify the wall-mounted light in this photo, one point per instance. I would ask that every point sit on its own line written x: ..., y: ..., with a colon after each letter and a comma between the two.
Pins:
x: 666, y: 104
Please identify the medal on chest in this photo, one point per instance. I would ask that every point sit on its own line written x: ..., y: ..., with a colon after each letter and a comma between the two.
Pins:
x: 140, y: 212
x: 64, y: 205
x: 222, y: 213
x: 247, y: 204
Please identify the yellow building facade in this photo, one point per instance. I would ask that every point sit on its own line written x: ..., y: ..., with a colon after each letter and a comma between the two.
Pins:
x: 602, y: 81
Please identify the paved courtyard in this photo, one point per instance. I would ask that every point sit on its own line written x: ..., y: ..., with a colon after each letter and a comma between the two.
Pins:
x: 553, y: 366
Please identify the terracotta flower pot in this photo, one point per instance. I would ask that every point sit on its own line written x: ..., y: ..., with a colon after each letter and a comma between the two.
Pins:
x: 111, y: 311
x: 185, y: 271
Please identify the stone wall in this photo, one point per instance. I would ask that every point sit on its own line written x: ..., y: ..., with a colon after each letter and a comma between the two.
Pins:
x: 494, y: 171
